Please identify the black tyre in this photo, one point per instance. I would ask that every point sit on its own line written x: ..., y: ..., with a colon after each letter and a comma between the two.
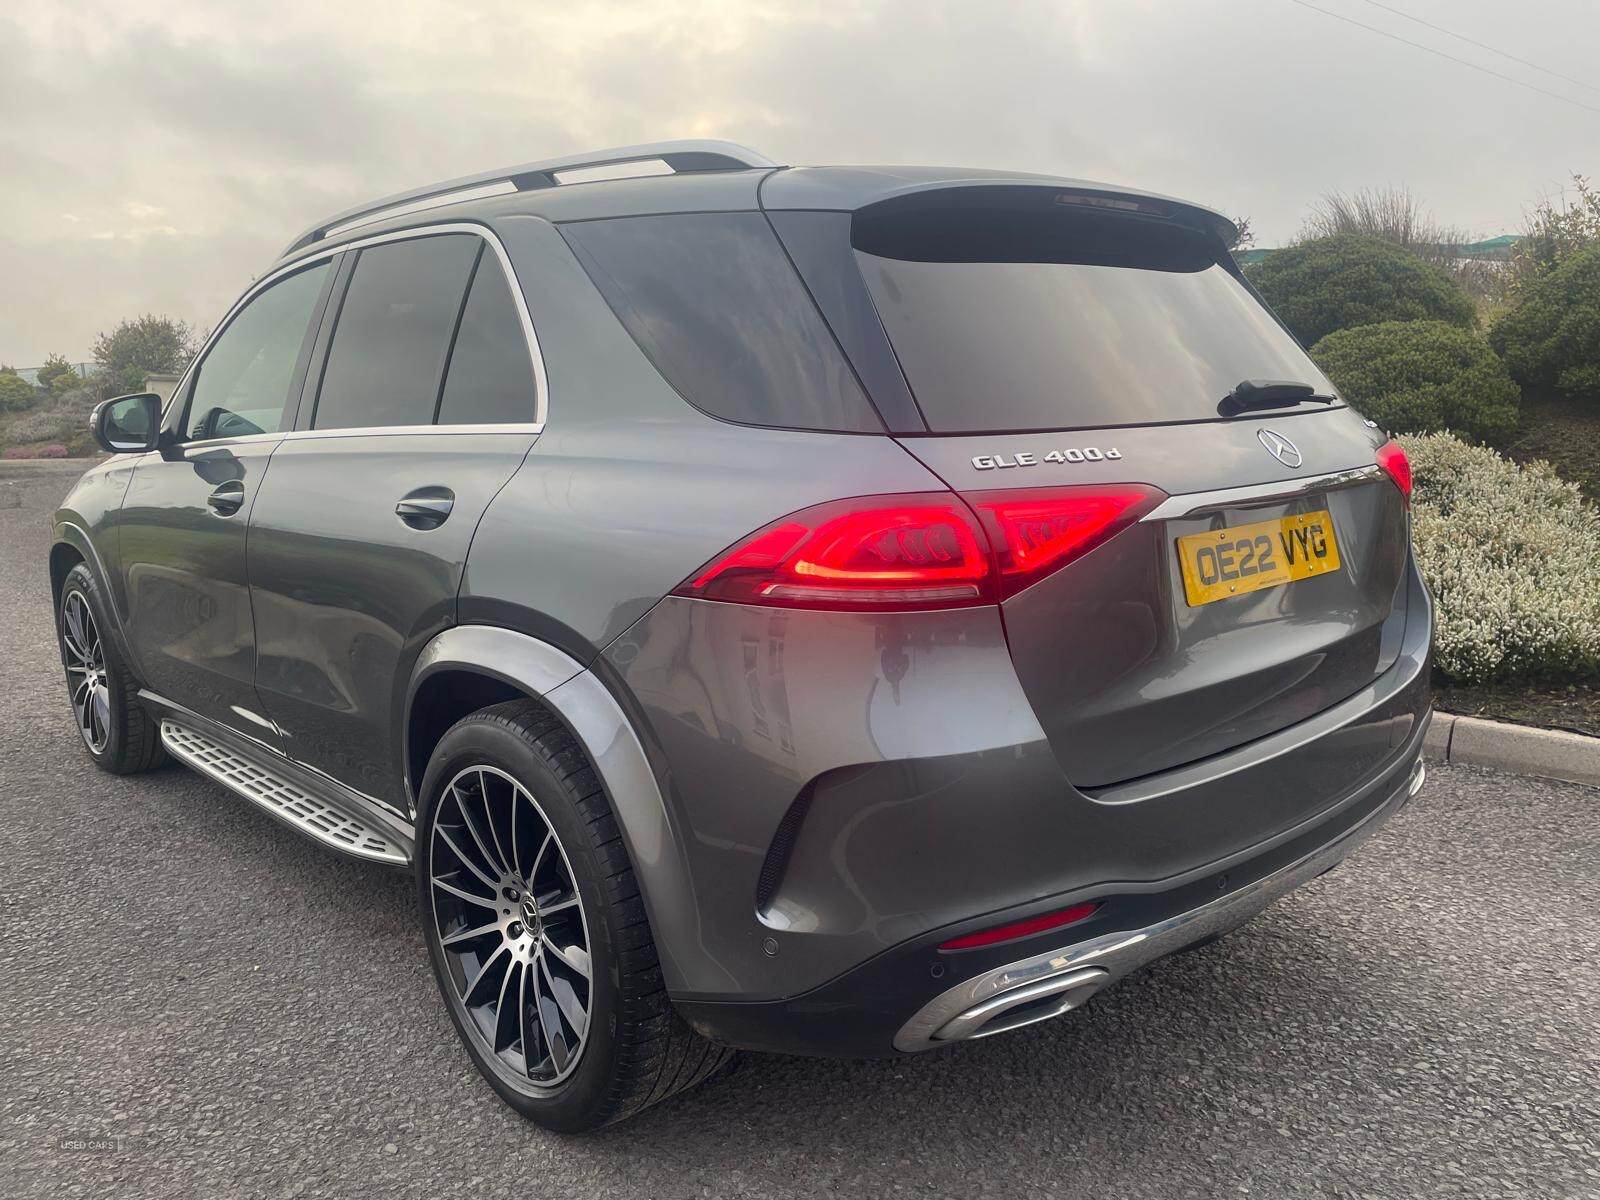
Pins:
x: 536, y: 930
x: 121, y: 736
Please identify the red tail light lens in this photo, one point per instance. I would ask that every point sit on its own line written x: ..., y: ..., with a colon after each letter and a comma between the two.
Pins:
x: 922, y: 550
x: 1017, y: 929
x: 1392, y: 458
x: 1037, y: 531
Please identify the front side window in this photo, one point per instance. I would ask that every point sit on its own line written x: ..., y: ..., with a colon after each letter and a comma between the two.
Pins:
x: 392, y: 339
x: 242, y: 385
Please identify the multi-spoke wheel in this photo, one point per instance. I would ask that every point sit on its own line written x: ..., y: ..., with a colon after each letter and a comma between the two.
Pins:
x: 536, y: 929
x: 121, y: 736
x: 511, y: 924
x: 86, y: 671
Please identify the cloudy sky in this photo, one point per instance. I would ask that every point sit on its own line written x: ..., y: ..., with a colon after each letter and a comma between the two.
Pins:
x: 159, y: 153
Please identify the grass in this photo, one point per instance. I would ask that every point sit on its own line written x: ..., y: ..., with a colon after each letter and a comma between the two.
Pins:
x: 1574, y: 707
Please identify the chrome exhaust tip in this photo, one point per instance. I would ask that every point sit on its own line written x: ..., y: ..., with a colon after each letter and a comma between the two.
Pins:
x: 1419, y: 775
x: 1026, y: 1005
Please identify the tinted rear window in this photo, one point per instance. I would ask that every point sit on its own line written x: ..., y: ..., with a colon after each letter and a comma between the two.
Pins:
x: 713, y: 301
x: 490, y: 378
x: 388, y: 350
x: 1044, y: 316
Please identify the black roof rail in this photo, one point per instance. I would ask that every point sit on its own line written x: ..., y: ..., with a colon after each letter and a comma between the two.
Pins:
x: 696, y: 154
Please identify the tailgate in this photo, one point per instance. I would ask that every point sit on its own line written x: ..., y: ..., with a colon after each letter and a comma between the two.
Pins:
x: 1129, y: 672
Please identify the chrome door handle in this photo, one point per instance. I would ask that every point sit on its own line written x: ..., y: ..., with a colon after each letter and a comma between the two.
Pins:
x: 425, y: 508
x: 227, y: 498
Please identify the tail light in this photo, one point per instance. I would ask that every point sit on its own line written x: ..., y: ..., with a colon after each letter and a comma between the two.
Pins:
x: 1018, y: 929
x: 1037, y: 531
x: 1392, y: 458
x: 922, y: 550
x: 917, y: 551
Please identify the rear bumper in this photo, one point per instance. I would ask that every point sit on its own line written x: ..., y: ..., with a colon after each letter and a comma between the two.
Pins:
x: 1055, y: 981
x: 903, y: 1001
x: 840, y: 786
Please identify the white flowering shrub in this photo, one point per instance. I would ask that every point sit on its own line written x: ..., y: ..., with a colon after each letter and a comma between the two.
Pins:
x: 1512, y: 556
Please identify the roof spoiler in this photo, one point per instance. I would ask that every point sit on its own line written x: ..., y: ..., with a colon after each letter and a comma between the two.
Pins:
x: 687, y: 156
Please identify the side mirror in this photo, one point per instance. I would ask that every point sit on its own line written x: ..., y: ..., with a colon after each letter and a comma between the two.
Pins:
x: 127, y: 424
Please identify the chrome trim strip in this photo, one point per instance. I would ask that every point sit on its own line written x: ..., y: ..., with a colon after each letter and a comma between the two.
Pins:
x: 223, y: 443
x: 299, y: 435
x: 1120, y: 953
x: 1192, y: 503
x: 540, y: 379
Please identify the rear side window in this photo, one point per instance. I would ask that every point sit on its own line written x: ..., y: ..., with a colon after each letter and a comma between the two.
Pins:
x: 490, y: 378
x: 1030, y: 312
x: 242, y: 385
x: 712, y: 300
x: 387, y: 358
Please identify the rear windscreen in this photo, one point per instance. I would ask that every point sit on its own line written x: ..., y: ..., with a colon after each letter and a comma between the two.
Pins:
x: 1032, y: 313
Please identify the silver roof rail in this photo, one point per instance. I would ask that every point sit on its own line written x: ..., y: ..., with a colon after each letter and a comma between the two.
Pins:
x: 696, y: 154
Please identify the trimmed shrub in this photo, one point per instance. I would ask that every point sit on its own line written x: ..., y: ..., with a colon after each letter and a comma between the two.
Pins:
x: 16, y: 393
x: 1512, y: 556
x: 43, y: 425
x: 1552, y: 337
x: 1353, y: 279
x: 1422, y: 377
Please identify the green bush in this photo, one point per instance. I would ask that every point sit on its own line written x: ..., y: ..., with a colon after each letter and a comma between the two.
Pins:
x: 1552, y: 337
x: 1352, y: 279
x: 1422, y: 377
x: 16, y: 393
x: 1512, y: 557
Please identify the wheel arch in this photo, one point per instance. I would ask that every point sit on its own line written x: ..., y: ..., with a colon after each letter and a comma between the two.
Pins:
x: 63, y: 557
x: 70, y: 545
x: 469, y: 667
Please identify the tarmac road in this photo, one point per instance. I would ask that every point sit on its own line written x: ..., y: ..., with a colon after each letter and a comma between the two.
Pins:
x: 195, y: 1002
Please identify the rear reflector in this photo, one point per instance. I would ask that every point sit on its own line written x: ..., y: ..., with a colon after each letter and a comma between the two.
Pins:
x: 1039, y: 530
x: 919, y: 550
x: 1019, y: 929
x: 1392, y: 458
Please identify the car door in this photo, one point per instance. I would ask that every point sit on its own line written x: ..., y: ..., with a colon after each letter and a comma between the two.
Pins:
x: 422, y: 405
x: 183, y: 522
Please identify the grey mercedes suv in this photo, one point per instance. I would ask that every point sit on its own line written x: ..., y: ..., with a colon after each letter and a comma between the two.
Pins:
x: 841, y: 610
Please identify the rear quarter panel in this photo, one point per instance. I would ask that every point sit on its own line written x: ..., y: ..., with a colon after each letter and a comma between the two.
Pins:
x: 629, y: 488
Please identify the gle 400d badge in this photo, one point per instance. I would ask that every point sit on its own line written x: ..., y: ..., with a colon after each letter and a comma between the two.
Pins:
x: 1024, y: 458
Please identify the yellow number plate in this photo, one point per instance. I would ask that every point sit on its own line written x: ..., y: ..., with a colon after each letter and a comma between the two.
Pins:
x: 1263, y: 554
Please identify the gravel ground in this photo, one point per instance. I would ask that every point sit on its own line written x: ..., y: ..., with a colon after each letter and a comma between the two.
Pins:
x: 197, y: 1003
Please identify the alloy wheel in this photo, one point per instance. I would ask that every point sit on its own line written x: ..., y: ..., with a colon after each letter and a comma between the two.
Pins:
x: 86, y: 671
x: 511, y: 925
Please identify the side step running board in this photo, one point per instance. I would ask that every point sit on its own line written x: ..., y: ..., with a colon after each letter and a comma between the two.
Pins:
x: 293, y: 803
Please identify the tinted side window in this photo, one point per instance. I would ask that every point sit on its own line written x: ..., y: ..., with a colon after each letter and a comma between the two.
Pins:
x: 393, y: 333
x: 712, y: 299
x: 490, y: 378
x: 242, y: 385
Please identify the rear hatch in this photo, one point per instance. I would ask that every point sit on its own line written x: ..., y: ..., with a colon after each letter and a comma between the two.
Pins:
x: 1053, y: 337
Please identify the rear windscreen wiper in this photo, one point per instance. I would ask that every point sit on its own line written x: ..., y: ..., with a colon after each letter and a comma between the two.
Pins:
x: 1270, y: 393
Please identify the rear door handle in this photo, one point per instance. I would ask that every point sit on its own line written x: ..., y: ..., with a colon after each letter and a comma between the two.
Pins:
x: 227, y: 498
x: 426, y: 507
